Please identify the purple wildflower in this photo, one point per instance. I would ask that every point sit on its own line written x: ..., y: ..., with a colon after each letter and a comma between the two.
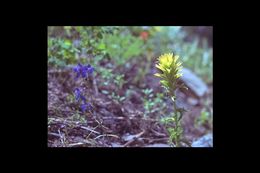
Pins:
x: 86, y: 107
x: 83, y: 71
x: 90, y: 69
x: 83, y: 98
x: 83, y: 107
x: 77, y: 94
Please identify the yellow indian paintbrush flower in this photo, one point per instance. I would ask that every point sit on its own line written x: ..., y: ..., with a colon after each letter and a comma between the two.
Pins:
x: 169, y: 68
x: 169, y: 71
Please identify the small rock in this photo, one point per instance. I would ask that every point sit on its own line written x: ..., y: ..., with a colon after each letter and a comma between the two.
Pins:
x: 128, y: 137
x: 192, y: 101
x: 116, y: 145
x: 78, y: 139
x: 204, y: 141
x: 158, y: 145
x: 193, y: 82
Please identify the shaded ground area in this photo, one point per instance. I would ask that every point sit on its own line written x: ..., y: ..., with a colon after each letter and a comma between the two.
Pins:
x: 116, y: 122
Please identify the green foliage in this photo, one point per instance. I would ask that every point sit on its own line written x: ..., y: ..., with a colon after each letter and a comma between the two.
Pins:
x: 62, y: 49
x: 147, y: 100
x: 174, y: 128
x: 111, y: 78
x: 95, y: 43
x: 117, y: 97
x: 61, y: 52
x: 91, y: 38
x: 119, y: 80
x: 152, y: 104
x: 106, y: 74
x: 204, y: 118
x: 122, y: 47
x: 200, y: 60
x: 175, y: 134
x: 114, y: 96
x: 167, y: 120
x: 78, y: 117
x: 70, y: 98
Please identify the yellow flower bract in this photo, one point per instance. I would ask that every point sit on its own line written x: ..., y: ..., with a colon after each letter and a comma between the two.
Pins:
x: 169, y: 68
x: 167, y: 62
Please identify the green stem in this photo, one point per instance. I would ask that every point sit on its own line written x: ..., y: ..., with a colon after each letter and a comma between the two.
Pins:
x: 176, y: 118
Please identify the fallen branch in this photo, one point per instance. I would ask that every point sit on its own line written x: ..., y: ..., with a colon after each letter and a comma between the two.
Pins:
x: 54, y: 134
x: 132, y: 140
x: 156, y: 140
x: 106, y: 136
x: 158, y: 133
x: 86, y: 128
x: 62, y: 138
x: 81, y: 143
x: 76, y: 144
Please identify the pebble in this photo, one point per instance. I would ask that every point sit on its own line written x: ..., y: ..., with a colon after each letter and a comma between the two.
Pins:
x: 204, y: 141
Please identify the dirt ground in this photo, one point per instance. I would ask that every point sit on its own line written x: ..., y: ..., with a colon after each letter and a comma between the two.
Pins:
x: 115, y: 123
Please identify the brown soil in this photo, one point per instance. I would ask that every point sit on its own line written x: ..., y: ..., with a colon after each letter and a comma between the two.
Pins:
x: 114, y: 123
